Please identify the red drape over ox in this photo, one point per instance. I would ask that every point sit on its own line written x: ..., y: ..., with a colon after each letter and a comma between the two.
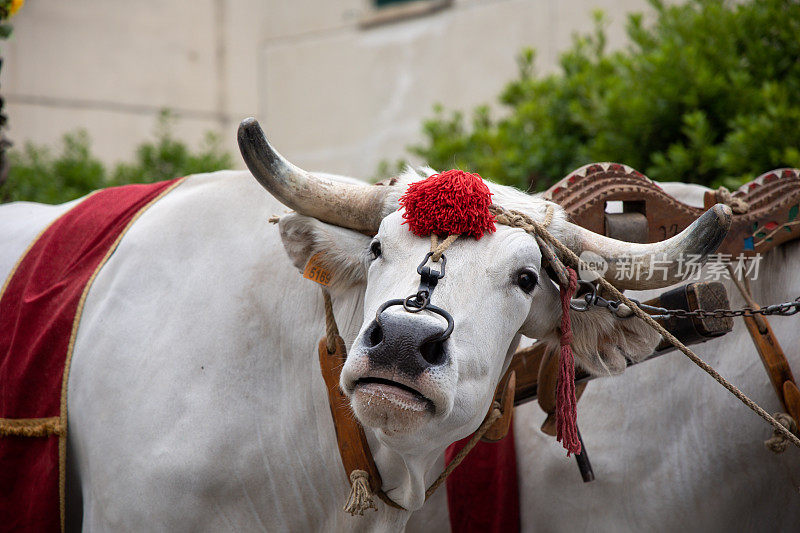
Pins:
x: 40, y: 309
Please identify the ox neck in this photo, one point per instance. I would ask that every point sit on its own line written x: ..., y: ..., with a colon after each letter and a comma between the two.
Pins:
x: 405, y: 476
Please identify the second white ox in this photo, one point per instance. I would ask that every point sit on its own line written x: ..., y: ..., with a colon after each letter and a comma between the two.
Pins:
x: 672, y: 449
x: 195, y: 398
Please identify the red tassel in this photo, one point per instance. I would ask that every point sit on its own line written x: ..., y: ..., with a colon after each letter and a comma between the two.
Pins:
x: 453, y: 202
x: 566, y: 405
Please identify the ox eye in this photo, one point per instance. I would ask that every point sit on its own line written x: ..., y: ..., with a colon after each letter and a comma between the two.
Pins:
x: 375, y: 249
x: 526, y: 279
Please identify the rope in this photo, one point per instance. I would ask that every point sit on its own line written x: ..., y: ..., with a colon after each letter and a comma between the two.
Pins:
x: 725, y: 196
x: 514, y: 218
x: 360, y: 495
x: 548, y: 216
x: 31, y: 427
x: 494, y: 415
x: 778, y: 443
x: 439, y: 249
x: 331, y: 330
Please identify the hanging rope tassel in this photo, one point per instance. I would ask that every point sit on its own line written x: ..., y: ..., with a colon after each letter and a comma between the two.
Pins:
x: 566, y: 405
x: 360, y: 494
x: 778, y: 443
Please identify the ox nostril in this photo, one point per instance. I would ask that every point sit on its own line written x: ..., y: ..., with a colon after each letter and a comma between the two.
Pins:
x: 433, y: 352
x: 375, y: 335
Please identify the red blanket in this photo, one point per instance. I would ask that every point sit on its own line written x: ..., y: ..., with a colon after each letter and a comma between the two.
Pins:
x: 40, y: 307
x: 482, y: 493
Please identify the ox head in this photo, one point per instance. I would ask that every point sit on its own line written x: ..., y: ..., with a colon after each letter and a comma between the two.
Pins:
x: 404, y: 379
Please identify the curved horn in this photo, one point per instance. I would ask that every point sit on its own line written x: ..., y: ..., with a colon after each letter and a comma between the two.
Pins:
x: 350, y: 205
x: 652, y: 266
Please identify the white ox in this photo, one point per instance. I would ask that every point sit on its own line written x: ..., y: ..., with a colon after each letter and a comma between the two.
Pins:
x: 195, y: 398
x: 671, y: 449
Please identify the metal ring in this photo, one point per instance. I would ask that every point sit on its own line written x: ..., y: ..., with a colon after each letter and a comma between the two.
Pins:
x: 385, y: 305
x: 432, y: 308
x: 415, y: 306
x: 590, y: 297
x: 444, y: 314
x: 588, y: 300
x: 439, y: 274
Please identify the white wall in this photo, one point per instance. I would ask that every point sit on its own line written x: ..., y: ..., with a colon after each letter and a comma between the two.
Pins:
x: 332, y: 94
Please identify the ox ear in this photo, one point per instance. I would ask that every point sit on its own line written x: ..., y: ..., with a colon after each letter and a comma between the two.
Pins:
x: 341, y: 252
x: 602, y: 343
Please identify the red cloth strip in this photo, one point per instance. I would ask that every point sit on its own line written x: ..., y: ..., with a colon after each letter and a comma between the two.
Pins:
x: 483, y: 492
x: 37, y: 311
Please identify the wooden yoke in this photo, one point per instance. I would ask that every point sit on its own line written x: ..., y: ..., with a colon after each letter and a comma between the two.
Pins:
x: 651, y: 215
x: 766, y: 216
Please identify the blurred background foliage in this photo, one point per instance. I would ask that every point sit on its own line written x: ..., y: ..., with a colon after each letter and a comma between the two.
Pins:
x: 708, y: 92
x: 8, y: 8
x: 39, y: 174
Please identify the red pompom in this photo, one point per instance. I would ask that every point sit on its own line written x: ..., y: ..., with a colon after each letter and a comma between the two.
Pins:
x: 451, y: 202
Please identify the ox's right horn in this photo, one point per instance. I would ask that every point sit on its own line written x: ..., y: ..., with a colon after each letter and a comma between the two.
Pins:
x: 350, y: 205
x: 655, y: 265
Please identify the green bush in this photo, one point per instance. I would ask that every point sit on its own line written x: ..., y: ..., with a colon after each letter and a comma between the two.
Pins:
x: 709, y: 93
x: 169, y: 158
x: 39, y: 175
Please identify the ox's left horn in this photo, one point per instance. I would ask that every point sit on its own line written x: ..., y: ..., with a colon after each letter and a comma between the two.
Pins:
x: 656, y: 265
x: 350, y: 205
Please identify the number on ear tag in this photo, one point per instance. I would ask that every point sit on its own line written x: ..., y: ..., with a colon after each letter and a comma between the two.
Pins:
x: 316, y: 270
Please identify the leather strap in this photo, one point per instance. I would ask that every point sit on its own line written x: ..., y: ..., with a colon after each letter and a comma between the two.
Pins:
x: 350, y: 437
x: 770, y: 351
x: 776, y: 364
x: 504, y: 396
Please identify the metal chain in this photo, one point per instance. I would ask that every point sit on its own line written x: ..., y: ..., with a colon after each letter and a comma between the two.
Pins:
x: 621, y: 311
x: 782, y: 309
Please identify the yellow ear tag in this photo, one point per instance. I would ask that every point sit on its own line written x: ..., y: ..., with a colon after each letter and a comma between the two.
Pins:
x: 316, y: 270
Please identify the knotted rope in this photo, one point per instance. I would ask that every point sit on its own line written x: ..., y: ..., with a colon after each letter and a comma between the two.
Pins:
x: 778, y: 442
x: 724, y: 196
x: 360, y: 498
x: 520, y: 220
